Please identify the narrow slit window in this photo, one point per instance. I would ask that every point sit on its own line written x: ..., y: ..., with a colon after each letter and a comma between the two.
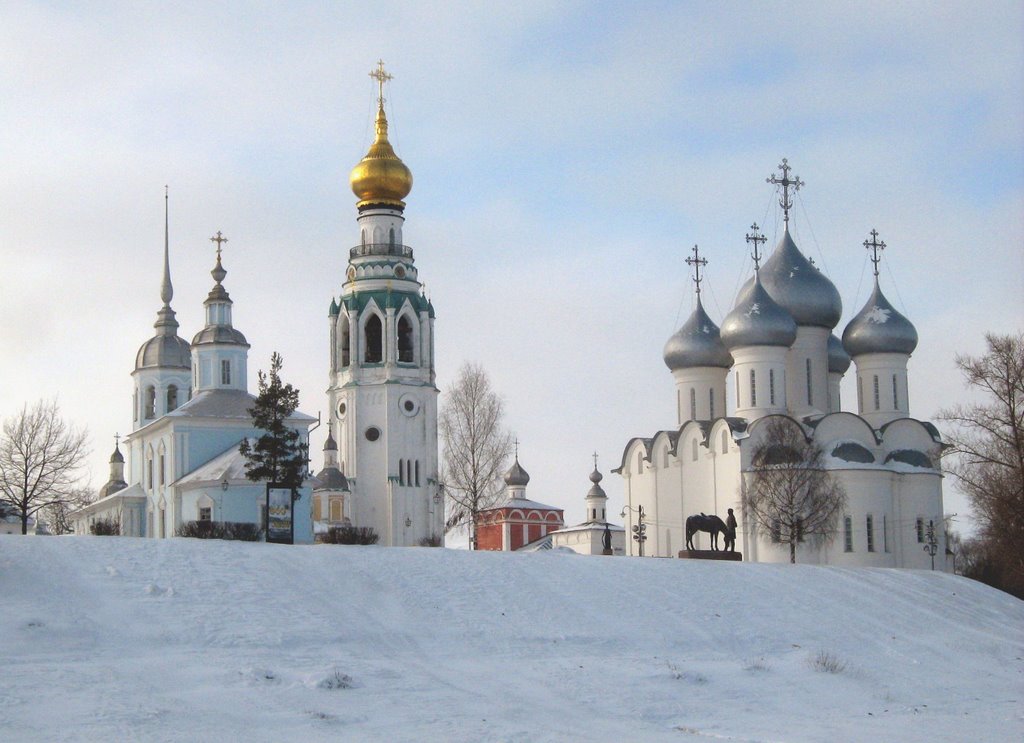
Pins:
x: 401, y: 472
x: 738, y: 389
x: 919, y: 528
x: 693, y: 404
x: 847, y: 534
x: 417, y: 468
x: 711, y: 403
x: 877, y: 400
x: 810, y: 388
x: 753, y: 389
x: 225, y: 371
x: 771, y: 386
x: 869, y: 524
x: 693, y: 450
x: 895, y: 393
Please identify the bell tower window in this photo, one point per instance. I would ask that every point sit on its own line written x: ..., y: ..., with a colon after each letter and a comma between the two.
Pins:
x: 374, y: 341
x: 172, y: 398
x: 405, y: 344
x: 150, y: 403
x: 225, y: 371
x: 346, y: 338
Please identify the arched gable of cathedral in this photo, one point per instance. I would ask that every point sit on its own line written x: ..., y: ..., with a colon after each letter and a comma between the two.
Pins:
x: 637, y: 451
x: 844, y: 426
x: 912, y: 442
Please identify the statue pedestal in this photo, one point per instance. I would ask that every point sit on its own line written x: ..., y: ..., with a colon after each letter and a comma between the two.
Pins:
x: 710, y: 555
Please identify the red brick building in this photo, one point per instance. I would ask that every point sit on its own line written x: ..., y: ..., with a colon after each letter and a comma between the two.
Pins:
x: 518, y: 521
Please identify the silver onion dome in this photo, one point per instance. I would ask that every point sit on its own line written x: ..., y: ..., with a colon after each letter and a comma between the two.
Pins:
x: 838, y: 359
x: 757, y: 320
x: 517, y: 476
x: 697, y: 343
x: 165, y: 352
x: 803, y: 290
x: 879, y: 328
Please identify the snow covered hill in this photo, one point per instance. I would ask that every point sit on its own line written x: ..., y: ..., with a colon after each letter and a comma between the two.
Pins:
x: 127, y: 639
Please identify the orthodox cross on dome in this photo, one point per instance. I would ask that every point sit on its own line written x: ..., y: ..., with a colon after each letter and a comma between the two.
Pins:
x: 117, y: 439
x: 755, y: 237
x: 516, y: 443
x: 875, y: 246
x: 786, y: 202
x: 381, y: 77
x: 697, y: 262
x: 595, y: 459
x: 219, y: 239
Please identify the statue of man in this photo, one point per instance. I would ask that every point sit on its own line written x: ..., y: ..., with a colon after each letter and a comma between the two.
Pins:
x: 606, y: 540
x: 730, y: 533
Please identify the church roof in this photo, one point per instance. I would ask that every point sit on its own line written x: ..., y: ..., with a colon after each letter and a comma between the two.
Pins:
x: 517, y: 476
x: 219, y: 334
x: 838, y: 359
x: 330, y: 478
x: 229, y: 464
x: 164, y: 352
x: 757, y: 320
x: 226, y: 404
x: 697, y: 343
x: 799, y: 287
x: 879, y: 328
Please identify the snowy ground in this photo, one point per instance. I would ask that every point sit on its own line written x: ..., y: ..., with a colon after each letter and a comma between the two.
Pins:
x: 126, y: 639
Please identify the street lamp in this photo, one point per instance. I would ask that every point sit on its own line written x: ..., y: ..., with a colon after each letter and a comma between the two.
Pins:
x: 639, y: 528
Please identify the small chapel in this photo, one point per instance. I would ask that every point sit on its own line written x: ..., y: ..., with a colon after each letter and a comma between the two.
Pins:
x: 780, y: 360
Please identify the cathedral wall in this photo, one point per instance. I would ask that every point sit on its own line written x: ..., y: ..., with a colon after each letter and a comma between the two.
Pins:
x: 807, y: 394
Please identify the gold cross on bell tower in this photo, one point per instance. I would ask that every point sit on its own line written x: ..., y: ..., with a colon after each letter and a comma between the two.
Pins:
x: 381, y: 77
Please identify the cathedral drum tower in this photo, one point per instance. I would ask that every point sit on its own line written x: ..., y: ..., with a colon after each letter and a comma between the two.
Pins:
x: 382, y: 393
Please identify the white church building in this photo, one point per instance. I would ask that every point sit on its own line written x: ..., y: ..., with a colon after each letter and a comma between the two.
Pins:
x: 190, y: 412
x: 778, y: 356
x: 381, y: 457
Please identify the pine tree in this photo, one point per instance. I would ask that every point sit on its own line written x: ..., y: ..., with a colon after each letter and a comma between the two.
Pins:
x: 278, y: 456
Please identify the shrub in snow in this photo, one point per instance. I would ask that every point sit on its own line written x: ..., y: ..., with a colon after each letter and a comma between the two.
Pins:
x: 827, y: 663
x: 232, y: 530
x: 336, y: 680
x: 430, y: 542
x: 349, y: 535
x: 108, y: 527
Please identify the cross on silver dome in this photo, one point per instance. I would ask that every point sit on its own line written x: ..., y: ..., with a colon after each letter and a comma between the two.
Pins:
x: 697, y: 262
x: 755, y: 237
x: 875, y: 246
x: 786, y: 202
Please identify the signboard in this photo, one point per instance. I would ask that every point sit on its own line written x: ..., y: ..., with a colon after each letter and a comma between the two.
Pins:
x: 280, y: 514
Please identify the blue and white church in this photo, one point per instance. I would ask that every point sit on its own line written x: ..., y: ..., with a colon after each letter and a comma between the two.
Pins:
x: 778, y: 356
x: 190, y: 412
x: 381, y: 455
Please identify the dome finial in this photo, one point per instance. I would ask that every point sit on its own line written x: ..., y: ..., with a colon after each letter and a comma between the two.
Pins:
x: 595, y: 476
x: 875, y: 246
x: 698, y: 263
x: 786, y: 202
x: 166, y: 290
x: 381, y: 178
x: 218, y: 271
x: 755, y: 237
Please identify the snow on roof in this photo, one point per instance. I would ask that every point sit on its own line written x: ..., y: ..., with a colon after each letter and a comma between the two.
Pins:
x: 590, y: 526
x: 228, y: 464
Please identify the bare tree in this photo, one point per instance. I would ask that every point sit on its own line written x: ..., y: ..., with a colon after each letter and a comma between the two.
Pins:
x: 789, y: 494
x: 40, y: 458
x: 58, y: 516
x: 476, y: 447
x: 987, y: 455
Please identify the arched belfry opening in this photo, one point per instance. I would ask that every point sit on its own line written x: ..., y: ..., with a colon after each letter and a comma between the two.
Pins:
x: 405, y: 340
x: 374, y: 333
x: 345, y: 341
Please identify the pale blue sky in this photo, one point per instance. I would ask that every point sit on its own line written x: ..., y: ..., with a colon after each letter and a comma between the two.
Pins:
x: 566, y: 157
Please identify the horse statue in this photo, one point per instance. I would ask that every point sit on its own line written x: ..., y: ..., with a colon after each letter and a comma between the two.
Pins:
x: 711, y: 524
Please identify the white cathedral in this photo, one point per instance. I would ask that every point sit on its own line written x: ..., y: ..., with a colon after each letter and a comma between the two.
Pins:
x: 777, y: 351
x: 191, y: 402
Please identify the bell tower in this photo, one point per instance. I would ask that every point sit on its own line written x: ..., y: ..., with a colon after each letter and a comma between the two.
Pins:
x: 382, y: 392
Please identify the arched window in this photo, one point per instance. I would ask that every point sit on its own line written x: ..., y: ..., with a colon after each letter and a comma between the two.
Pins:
x: 391, y: 237
x: 725, y: 442
x: 346, y: 342
x: 870, y: 524
x: 847, y: 534
x: 693, y: 404
x: 225, y: 371
x: 895, y: 394
x: 771, y: 386
x: 753, y: 389
x: 860, y: 393
x: 711, y: 403
x: 877, y: 402
x: 150, y: 403
x: 405, y: 344
x: 693, y: 450
x: 401, y: 472
x: 417, y: 468
x: 639, y: 463
x: 172, y: 398
x: 374, y: 345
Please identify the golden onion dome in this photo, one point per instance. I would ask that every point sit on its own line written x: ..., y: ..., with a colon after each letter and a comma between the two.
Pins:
x: 381, y: 177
